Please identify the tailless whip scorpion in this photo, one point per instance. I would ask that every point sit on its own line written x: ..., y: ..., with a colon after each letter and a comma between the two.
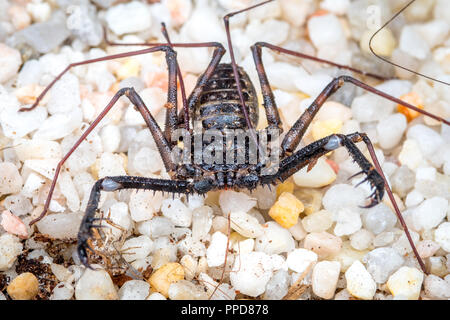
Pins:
x: 224, y: 99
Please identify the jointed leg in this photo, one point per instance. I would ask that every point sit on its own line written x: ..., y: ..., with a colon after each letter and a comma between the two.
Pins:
x: 308, y: 156
x: 163, y: 47
x: 161, y: 142
x: 259, y: 45
x: 219, y: 51
x: 119, y: 183
x: 295, y: 134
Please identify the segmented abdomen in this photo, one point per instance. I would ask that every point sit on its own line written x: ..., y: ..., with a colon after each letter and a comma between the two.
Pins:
x: 219, y: 105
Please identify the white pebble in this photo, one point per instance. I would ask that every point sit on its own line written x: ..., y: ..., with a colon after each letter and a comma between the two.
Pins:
x: 201, y: 222
x: 134, y: 290
x: 411, y: 154
x: 186, y: 290
x: 129, y: 17
x: 348, y: 221
x: 144, y: 204
x: 156, y: 227
x: 430, y: 213
x: 223, y: 292
x: 110, y: 135
x: 361, y: 239
x: 118, y: 214
x: 383, y: 239
x: 442, y: 236
x: 427, y: 248
x: 10, y: 248
x: 379, y: 218
x: 335, y: 6
x: 177, y: 212
x: 60, y: 225
x: 265, y: 196
x: 17, y: 124
x: 436, y: 288
x: 412, y: 43
x: 111, y: 164
x: 318, y: 221
x: 39, y: 11
x: 278, y: 285
x: 59, y: 125
x: 390, y: 130
x: 382, y: 262
x: 137, y: 248
x: 296, y: 11
x: 251, y: 272
x: 369, y: 108
x: 18, y: 204
x: 320, y: 175
x: 61, y: 273
x: 429, y: 140
x: 413, y: 198
x: 84, y: 156
x: 245, y: 224
x: 37, y: 149
x: 342, y: 196
x: 62, y: 291
x: 298, y: 231
x: 215, y: 254
x: 263, y: 31
x: 10, y: 179
x: 426, y: 173
x: 324, y: 278
x: 64, y: 95
x: 95, y: 285
x: 402, y: 245
x: 10, y: 61
x: 82, y: 21
x: 359, y: 282
x: 156, y: 296
x: 325, y: 30
x: 405, y: 283
x: 231, y: 201
x: 275, y: 239
x: 299, y: 260
x: 323, y: 243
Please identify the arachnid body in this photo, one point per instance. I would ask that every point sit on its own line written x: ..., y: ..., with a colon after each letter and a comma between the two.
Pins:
x: 224, y: 100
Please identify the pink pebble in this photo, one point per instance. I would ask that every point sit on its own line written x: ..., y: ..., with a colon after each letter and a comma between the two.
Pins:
x: 12, y: 224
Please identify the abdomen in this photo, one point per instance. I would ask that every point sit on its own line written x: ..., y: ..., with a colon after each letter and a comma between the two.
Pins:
x: 219, y: 106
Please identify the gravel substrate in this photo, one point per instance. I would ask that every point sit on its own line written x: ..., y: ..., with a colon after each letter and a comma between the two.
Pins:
x: 308, y: 238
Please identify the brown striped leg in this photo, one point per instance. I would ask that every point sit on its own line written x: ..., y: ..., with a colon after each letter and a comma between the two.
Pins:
x: 161, y: 142
x: 219, y: 51
x: 257, y: 47
x: 113, y: 184
x: 162, y: 47
x: 295, y: 134
x: 308, y: 155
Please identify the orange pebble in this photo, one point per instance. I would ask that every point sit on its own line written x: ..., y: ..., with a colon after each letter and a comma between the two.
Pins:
x: 318, y: 13
x: 333, y: 165
x: 411, y: 98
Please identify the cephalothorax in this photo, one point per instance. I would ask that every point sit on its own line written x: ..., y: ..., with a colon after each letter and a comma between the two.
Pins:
x: 224, y: 99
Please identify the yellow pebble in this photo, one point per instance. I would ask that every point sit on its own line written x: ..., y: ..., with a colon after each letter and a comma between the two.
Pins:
x: 383, y: 43
x: 236, y: 237
x: 287, y: 186
x: 321, y: 129
x: 162, y: 278
x: 286, y: 210
x: 411, y: 98
x: 24, y: 287
x: 130, y: 68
